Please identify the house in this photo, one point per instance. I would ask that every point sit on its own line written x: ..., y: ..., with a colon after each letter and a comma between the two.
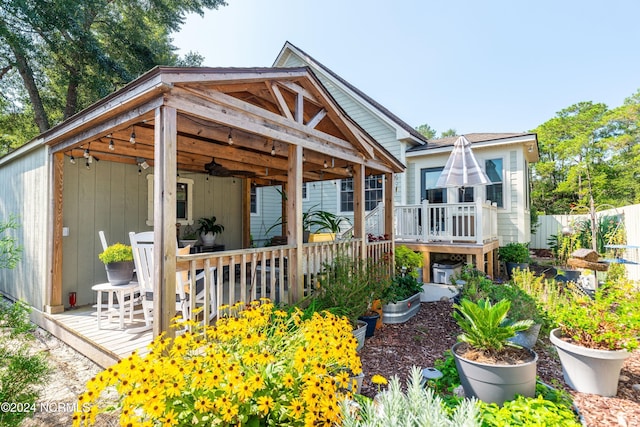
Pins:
x: 174, y: 145
x: 504, y: 156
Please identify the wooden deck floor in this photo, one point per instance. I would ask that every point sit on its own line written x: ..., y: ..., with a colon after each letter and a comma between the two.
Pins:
x: 106, y: 345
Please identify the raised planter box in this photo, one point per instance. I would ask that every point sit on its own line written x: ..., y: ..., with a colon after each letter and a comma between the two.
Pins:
x: 435, y: 292
x: 401, y: 311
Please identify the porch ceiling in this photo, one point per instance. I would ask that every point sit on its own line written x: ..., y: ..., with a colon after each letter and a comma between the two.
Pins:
x: 231, y: 122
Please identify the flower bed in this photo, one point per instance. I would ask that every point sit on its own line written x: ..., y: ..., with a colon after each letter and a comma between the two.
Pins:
x: 261, y: 367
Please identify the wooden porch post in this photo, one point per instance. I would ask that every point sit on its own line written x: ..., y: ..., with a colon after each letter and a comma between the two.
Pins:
x: 359, y: 209
x: 389, y: 214
x: 53, y: 302
x: 164, y: 220
x: 294, y: 224
x: 246, y: 213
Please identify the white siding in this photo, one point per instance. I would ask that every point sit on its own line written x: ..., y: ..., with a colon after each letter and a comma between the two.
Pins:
x: 25, y: 193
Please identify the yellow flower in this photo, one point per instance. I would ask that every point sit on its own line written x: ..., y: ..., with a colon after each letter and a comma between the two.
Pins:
x: 203, y: 404
x: 265, y: 404
x: 170, y: 418
x: 296, y: 407
x: 379, y: 380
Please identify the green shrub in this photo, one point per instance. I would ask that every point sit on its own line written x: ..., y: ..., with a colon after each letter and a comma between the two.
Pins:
x: 514, y: 252
x: 407, y: 261
x: 116, y: 253
x: 401, y: 288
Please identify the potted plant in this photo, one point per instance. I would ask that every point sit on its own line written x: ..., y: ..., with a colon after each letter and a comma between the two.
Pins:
x: 208, y: 229
x: 118, y: 261
x: 328, y: 225
x: 492, y: 368
x: 189, y: 236
x: 401, y: 299
x: 594, y: 334
x: 514, y: 255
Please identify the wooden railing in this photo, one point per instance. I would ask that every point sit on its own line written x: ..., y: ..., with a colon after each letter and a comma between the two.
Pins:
x: 247, y: 274
x: 454, y: 222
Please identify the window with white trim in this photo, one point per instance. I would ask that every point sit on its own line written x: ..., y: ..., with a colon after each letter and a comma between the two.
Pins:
x: 373, y: 193
x: 429, y: 178
x: 305, y: 193
x: 184, y: 201
x: 254, y: 200
x: 495, y: 190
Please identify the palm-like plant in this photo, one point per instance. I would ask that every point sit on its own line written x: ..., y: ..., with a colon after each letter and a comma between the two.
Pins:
x: 485, y: 326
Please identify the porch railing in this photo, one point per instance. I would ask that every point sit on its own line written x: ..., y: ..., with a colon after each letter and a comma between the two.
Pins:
x: 244, y: 275
x: 454, y: 222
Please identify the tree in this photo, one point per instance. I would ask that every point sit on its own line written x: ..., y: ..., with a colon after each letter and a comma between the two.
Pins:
x: 67, y: 54
x: 449, y: 132
x: 427, y: 131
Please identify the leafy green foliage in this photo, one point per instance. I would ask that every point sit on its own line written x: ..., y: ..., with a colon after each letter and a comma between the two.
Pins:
x: 608, y: 321
x: 529, y: 411
x: 116, y: 253
x: 348, y: 286
x: 514, y: 252
x: 58, y: 57
x: 20, y: 372
x: 10, y: 251
x: 401, y: 288
x: 407, y: 261
x: 483, y: 324
x: 208, y: 225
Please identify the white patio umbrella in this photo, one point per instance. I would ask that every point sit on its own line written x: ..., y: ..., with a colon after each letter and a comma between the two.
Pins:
x: 462, y: 168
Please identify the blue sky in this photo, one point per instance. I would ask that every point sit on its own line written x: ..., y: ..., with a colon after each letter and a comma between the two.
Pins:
x: 475, y: 66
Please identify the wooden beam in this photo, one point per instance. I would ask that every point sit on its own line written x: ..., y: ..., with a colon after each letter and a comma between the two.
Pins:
x: 317, y: 118
x: 299, y: 109
x: 389, y: 206
x: 282, y: 104
x: 246, y: 213
x: 294, y: 227
x: 359, y: 208
x: 164, y: 219
x: 54, y: 302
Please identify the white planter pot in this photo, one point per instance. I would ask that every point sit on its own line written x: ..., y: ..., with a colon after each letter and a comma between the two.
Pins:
x: 496, y: 383
x: 528, y: 338
x: 588, y: 370
x: 208, y: 239
x: 360, y: 334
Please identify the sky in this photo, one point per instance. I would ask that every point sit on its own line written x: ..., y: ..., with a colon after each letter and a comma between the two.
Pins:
x: 472, y: 66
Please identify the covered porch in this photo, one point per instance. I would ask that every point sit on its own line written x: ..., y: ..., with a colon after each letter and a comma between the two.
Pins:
x: 257, y: 127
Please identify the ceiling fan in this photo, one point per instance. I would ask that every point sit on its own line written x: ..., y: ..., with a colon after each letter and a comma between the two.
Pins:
x: 216, y: 169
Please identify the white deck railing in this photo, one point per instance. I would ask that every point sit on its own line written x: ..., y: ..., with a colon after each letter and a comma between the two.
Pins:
x: 244, y: 275
x: 454, y: 222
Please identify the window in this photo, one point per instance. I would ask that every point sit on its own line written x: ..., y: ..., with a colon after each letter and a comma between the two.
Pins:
x: 465, y: 194
x: 429, y: 190
x: 305, y: 194
x: 184, y: 201
x: 372, y: 193
x: 494, y: 171
x: 254, y: 200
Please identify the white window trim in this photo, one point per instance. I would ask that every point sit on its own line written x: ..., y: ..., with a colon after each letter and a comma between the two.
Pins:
x: 304, y: 185
x: 506, y: 190
x: 258, y: 197
x: 338, y: 199
x: 189, y: 182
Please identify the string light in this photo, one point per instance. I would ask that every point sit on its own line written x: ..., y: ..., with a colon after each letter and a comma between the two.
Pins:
x: 72, y: 160
x: 139, y: 170
x: 112, y: 146
x: 273, y: 149
x: 230, y: 138
x: 87, y: 164
x: 86, y: 153
x: 325, y: 163
x: 132, y: 139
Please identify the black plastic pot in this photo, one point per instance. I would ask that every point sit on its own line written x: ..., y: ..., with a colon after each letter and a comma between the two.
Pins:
x: 371, y: 321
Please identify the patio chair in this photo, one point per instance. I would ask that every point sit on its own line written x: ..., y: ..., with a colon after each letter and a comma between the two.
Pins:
x: 142, y: 245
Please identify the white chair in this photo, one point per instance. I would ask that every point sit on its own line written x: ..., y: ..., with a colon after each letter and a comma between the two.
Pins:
x: 142, y: 245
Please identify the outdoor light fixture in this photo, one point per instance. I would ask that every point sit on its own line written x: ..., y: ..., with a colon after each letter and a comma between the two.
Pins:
x: 87, y: 164
x: 86, y: 153
x: 273, y: 149
x: 112, y: 146
x: 72, y: 160
x: 304, y: 159
x: 325, y: 163
x: 142, y: 163
x: 139, y: 170
x: 132, y: 139
x: 230, y: 138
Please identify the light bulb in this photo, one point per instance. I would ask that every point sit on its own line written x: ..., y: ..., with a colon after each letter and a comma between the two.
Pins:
x: 87, y: 165
x: 112, y: 146
x: 273, y: 150
x: 72, y: 160
x: 325, y: 163
x: 132, y: 139
x: 86, y: 153
x: 230, y: 138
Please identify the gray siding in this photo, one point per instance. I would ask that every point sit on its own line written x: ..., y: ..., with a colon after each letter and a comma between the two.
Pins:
x: 25, y: 192
x: 114, y: 198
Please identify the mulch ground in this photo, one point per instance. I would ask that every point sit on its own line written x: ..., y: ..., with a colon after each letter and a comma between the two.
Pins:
x: 424, y: 338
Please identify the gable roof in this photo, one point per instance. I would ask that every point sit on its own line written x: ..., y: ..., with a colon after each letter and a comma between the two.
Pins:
x: 289, y: 48
x: 244, y: 119
x: 480, y: 139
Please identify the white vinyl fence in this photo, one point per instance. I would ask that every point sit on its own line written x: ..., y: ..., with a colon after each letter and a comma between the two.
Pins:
x: 552, y: 224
